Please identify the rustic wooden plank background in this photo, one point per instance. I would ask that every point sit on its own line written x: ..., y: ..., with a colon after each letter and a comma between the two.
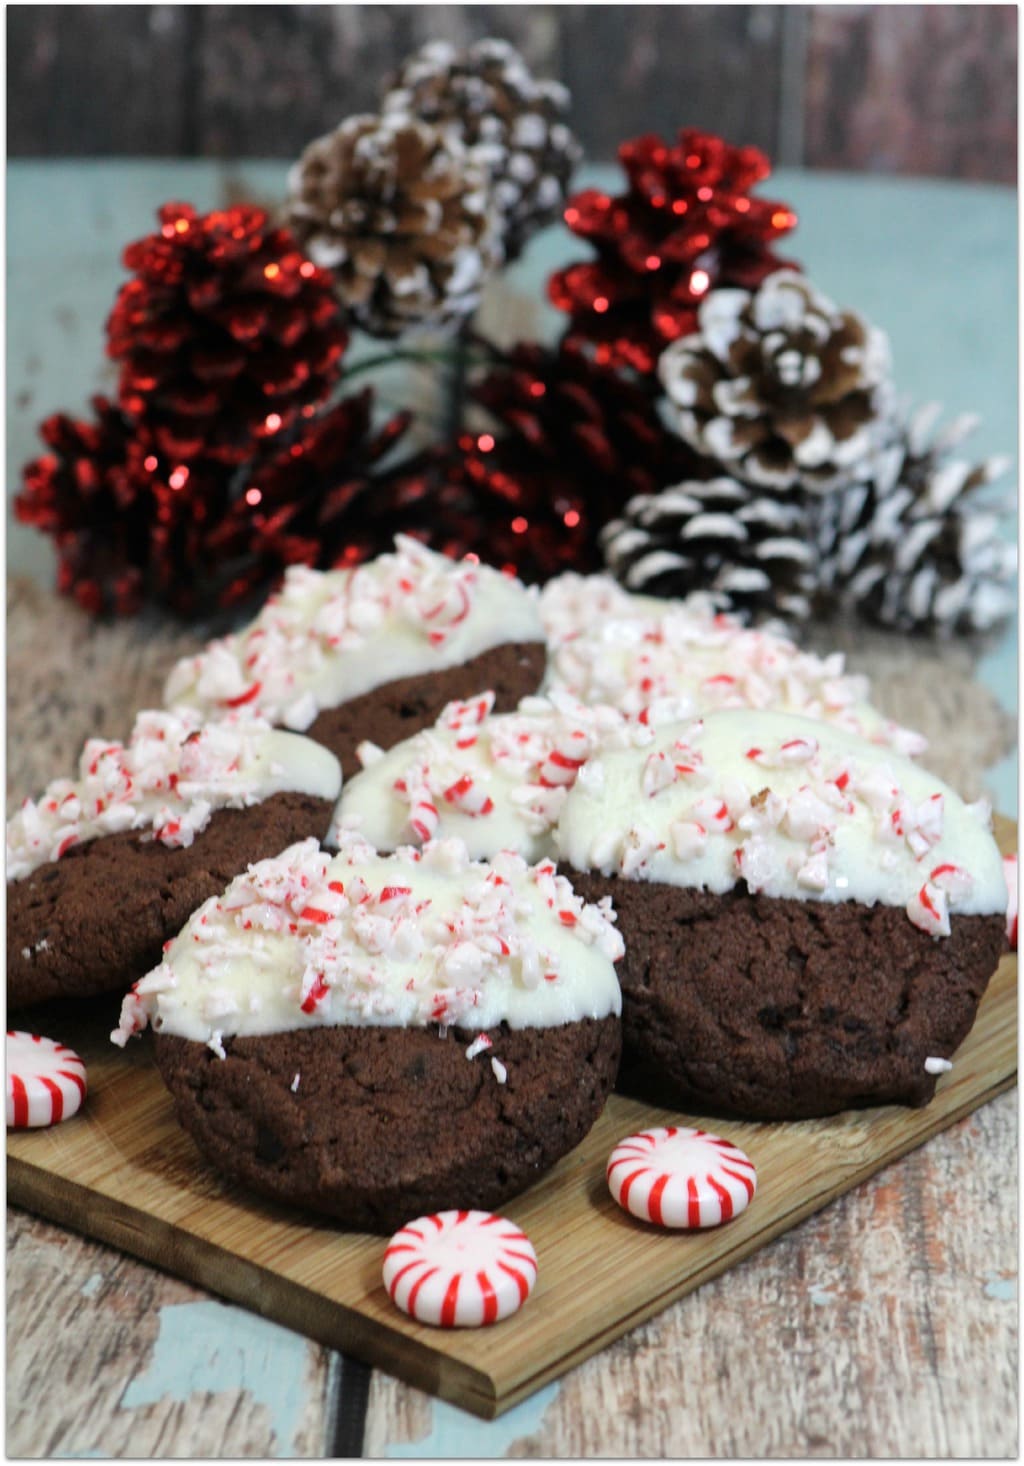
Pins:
x: 900, y: 89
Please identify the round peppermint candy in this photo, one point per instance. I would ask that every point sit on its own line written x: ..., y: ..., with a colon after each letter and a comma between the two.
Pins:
x: 681, y: 1178
x: 460, y: 1269
x: 45, y: 1081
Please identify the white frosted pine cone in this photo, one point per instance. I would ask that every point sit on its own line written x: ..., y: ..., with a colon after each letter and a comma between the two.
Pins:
x: 486, y: 98
x: 913, y: 543
x: 785, y: 390
x: 750, y: 550
x: 401, y: 216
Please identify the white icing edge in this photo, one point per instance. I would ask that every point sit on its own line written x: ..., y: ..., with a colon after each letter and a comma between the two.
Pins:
x: 411, y: 939
x: 682, y: 814
x: 170, y: 778
x: 329, y: 636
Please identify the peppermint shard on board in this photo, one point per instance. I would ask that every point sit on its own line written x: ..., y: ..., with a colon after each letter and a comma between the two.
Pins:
x: 836, y: 913
x: 372, y: 977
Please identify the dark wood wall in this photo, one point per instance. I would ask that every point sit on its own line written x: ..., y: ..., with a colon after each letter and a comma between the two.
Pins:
x: 905, y: 89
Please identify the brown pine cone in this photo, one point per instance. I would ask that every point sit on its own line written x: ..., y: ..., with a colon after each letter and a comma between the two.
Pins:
x: 486, y: 98
x: 784, y: 389
x: 402, y: 219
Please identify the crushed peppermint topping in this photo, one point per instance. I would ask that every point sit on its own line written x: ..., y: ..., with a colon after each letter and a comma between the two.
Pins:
x: 736, y: 798
x: 326, y: 636
x: 414, y: 938
x: 682, y: 657
x: 499, y: 1070
x: 169, y: 777
x: 491, y: 768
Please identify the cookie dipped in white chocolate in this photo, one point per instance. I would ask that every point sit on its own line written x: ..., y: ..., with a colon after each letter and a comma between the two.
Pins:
x: 790, y: 807
x: 494, y: 781
x: 609, y: 647
x: 329, y: 636
x: 415, y: 938
x: 169, y: 778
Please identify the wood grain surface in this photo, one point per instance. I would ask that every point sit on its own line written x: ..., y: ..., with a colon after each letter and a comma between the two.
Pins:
x: 884, y: 1326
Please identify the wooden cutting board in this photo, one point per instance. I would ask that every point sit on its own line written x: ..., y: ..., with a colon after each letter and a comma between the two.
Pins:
x: 123, y: 1172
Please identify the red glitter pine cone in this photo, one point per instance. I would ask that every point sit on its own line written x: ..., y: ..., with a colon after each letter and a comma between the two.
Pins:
x: 225, y: 334
x: 319, y: 502
x: 570, y: 446
x: 686, y: 224
x: 128, y: 524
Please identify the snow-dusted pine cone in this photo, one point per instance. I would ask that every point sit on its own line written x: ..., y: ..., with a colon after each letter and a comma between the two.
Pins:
x: 912, y: 544
x: 402, y: 218
x: 486, y: 97
x: 782, y: 387
x: 750, y: 550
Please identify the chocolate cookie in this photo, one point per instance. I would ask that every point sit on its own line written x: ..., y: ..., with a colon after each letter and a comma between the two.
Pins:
x: 377, y: 1125
x: 97, y: 918
x: 747, y: 1005
x: 810, y: 921
x: 398, y: 709
x: 377, y: 1036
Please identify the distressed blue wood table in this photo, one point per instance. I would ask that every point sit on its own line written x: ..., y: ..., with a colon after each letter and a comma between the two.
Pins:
x: 886, y: 1325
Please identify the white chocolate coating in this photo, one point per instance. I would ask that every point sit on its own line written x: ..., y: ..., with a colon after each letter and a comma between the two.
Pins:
x: 792, y: 807
x: 329, y: 636
x: 494, y: 781
x: 306, y: 940
x: 169, y: 777
x: 629, y: 652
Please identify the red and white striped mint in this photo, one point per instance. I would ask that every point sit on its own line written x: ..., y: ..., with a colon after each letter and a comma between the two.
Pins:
x: 1010, y: 872
x: 45, y: 1081
x: 460, y: 1269
x: 681, y: 1178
